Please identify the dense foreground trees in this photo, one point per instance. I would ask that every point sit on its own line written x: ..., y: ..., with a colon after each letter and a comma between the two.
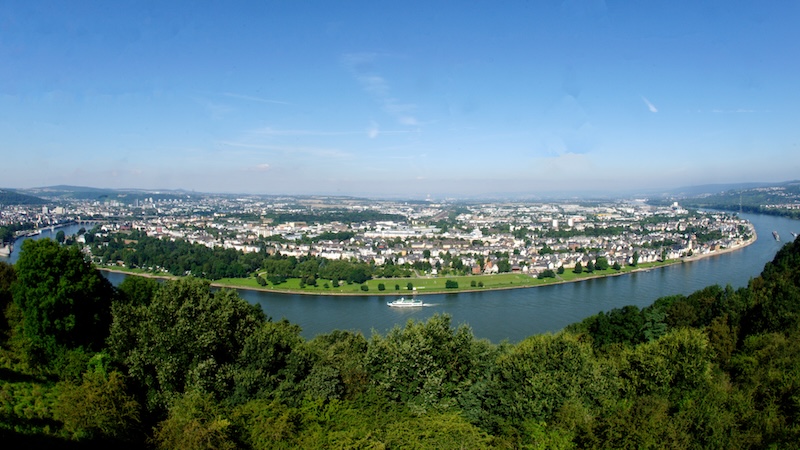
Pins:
x: 179, y: 365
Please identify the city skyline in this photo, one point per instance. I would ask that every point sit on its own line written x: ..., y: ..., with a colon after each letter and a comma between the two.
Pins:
x: 401, y: 100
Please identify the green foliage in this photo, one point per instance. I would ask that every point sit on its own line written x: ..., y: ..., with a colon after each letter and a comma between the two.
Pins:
x: 539, y: 376
x: 547, y: 273
x: 578, y: 267
x: 186, y: 338
x: 768, y: 370
x: 264, y: 362
x: 7, y: 277
x: 178, y: 257
x: 775, y: 294
x: 98, y: 407
x: 440, y: 430
x: 426, y: 364
x: 451, y: 284
x: 195, y: 422
x: 619, y: 326
x: 26, y: 405
x: 676, y: 364
x: 64, y: 302
x: 138, y: 290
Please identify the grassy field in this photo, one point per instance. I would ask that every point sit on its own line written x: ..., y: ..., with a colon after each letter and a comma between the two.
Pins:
x: 423, y: 285
x: 429, y: 285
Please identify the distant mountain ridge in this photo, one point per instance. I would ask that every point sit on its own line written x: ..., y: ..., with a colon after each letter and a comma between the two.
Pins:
x: 704, y: 191
x: 12, y: 197
x: 781, y: 199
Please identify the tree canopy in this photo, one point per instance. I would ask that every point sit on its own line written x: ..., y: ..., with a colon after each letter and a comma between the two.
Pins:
x: 64, y: 302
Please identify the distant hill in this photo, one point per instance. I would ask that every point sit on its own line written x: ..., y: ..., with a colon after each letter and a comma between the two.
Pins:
x: 710, y: 189
x: 11, y: 197
x: 781, y: 199
x: 66, y: 192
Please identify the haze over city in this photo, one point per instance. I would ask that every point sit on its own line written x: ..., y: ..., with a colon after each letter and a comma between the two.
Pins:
x: 398, y: 98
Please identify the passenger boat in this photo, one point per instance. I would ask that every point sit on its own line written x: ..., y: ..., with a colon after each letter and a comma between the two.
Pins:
x: 775, y: 235
x: 403, y: 302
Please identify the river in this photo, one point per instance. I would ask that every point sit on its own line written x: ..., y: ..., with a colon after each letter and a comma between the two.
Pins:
x: 47, y: 232
x: 515, y: 314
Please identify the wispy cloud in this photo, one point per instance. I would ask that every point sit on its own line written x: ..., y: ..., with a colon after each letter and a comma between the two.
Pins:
x: 215, y: 110
x: 361, y: 66
x: 373, y: 131
x: 733, y: 111
x: 254, y: 99
x: 317, y: 152
x: 650, y: 106
x: 269, y: 131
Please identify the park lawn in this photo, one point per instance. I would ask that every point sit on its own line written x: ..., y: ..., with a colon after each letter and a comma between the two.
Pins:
x: 423, y: 285
x: 394, y: 285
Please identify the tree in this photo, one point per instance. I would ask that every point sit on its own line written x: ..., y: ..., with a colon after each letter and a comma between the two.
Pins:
x: 503, y: 266
x: 541, y: 375
x: 381, y: 287
x: 616, y: 266
x: 427, y: 363
x: 187, y: 337
x: 601, y: 263
x: 590, y: 266
x: 451, y: 284
x: 560, y: 270
x: 60, y: 236
x: 65, y: 303
x: 7, y: 277
x: 98, y: 407
x: 138, y: 290
x: 195, y: 422
x: 635, y: 259
x: 410, y: 286
x: 578, y: 267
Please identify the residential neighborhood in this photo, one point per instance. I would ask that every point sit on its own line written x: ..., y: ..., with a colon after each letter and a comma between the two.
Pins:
x: 434, y: 237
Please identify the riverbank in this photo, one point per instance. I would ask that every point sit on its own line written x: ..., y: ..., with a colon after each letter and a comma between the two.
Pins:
x: 436, y: 285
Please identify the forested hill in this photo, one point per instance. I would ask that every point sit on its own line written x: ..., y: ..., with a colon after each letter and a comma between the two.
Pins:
x: 10, y: 197
x: 781, y: 199
x: 177, y: 365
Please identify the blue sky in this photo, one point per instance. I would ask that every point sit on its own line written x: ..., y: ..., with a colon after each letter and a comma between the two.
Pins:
x: 405, y: 98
